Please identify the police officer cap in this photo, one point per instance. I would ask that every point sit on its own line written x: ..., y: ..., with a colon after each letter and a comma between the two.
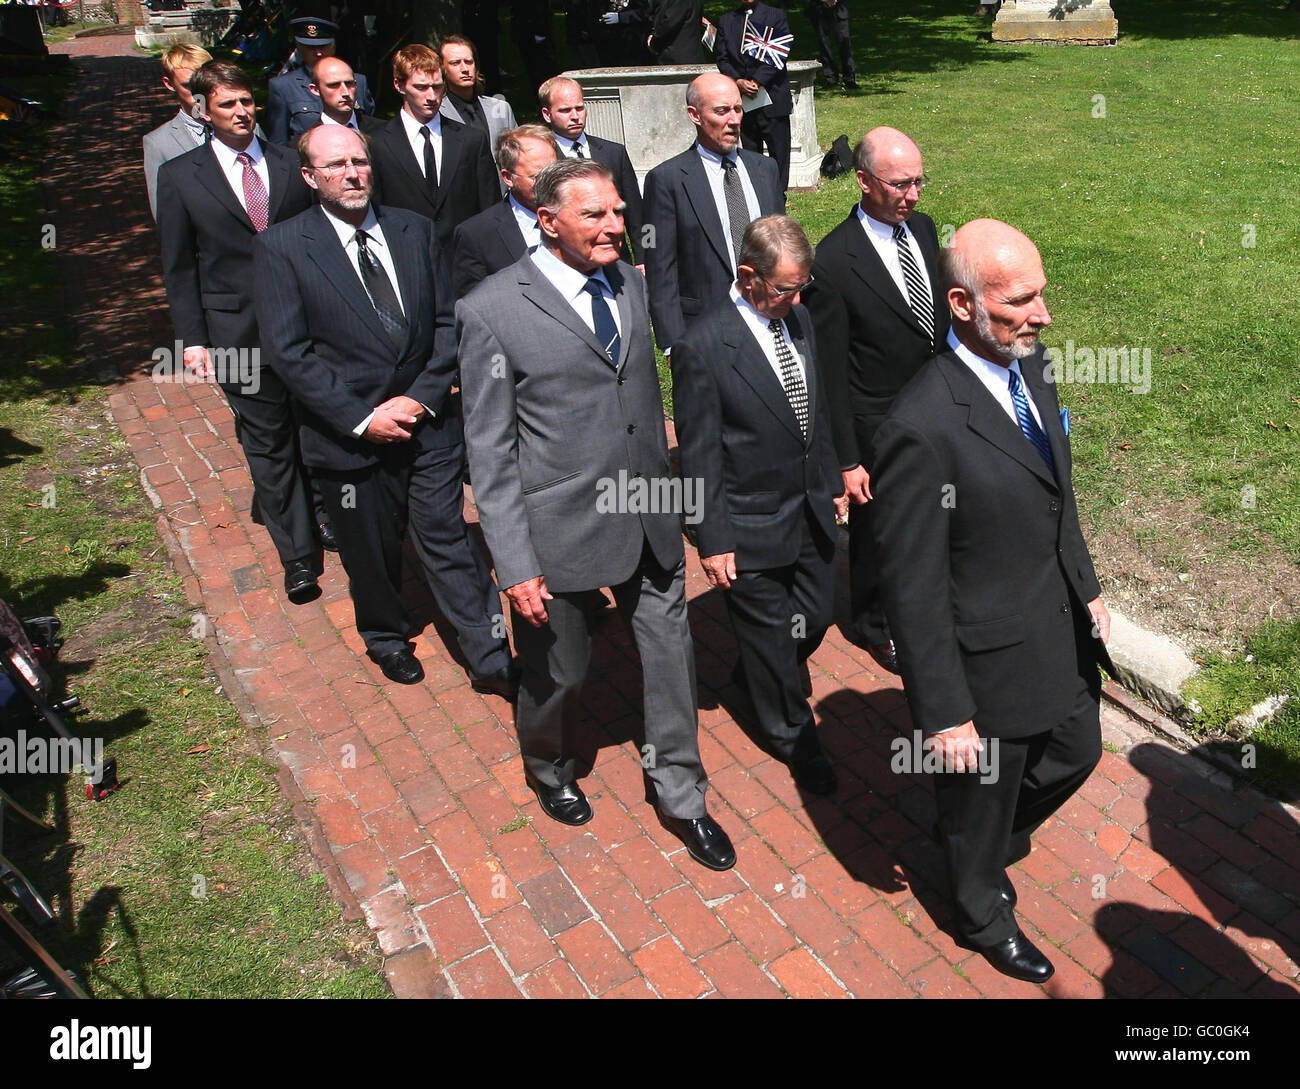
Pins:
x: 310, y: 30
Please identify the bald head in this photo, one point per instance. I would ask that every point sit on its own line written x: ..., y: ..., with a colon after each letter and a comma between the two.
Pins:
x: 890, y: 174
x: 994, y: 280
x: 334, y: 82
x: 713, y: 105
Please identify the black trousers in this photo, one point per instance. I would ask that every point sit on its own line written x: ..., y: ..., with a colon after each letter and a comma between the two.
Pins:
x: 980, y: 821
x: 780, y: 616
x: 420, y: 483
x: 759, y: 130
x: 865, y: 604
x: 264, y: 425
x: 832, y: 37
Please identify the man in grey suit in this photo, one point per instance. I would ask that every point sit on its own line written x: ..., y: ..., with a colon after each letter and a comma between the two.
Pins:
x: 186, y: 130
x: 565, y: 429
x: 465, y: 101
x: 699, y: 204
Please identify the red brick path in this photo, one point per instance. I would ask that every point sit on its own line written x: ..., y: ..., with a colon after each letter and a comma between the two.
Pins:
x: 1157, y: 879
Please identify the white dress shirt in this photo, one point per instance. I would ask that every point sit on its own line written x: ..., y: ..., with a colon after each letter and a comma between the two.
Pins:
x: 714, y: 172
x: 528, y: 225
x: 572, y: 284
x: 881, y: 236
x: 228, y: 160
x: 568, y: 147
x: 412, y: 128
x: 195, y: 129
x: 996, y: 379
x: 758, y: 326
x: 326, y: 119
x: 378, y: 247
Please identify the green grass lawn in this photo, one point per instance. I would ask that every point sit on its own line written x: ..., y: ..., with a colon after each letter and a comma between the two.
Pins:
x: 194, y: 880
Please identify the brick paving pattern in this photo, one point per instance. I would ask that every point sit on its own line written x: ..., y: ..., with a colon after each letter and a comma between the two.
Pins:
x: 1159, y: 878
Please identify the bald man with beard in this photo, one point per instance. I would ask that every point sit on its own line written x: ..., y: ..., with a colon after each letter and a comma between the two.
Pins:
x: 987, y: 581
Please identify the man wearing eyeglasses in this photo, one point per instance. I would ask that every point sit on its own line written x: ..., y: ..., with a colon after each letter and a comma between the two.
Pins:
x: 879, y: 314
x: 355, y: 310
x: 753, y: 425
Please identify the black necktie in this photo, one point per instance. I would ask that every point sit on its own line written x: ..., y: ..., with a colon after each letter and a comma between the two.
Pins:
x: 603, y: 318
x: 577, y: 151
x: 733, y: 192
x: 791, y: 379
x: 430, y: 161
x: 918, y: 287
x: 382, y: 295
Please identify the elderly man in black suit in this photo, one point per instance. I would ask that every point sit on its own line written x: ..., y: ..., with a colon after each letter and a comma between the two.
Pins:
x: 564, y: 420
x: 752, y: 47
x: 212, y: 202
x: 492, y: 240
x: 426, y: 162
x: 754, y: 429
x: 356, y: 315
x: 565, y: 110
x: 697, y: 206
x: 988, y: 583
x: 879, y: 314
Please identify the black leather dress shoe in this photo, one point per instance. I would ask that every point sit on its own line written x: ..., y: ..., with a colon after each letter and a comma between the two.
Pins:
x: 402, y: 666
x: 808, y: 764
x: 325, y: 534
x: 1019, y: 958
x: 566, y: 804
x: 300, y: 584
x: 1008, y: 891
x: 885, y: 654
x: 504, y: 683
x: 705, y: 840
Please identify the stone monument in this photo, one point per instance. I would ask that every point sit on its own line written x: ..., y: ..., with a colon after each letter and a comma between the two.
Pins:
x: 644, y: 108
x: 1065, y: 22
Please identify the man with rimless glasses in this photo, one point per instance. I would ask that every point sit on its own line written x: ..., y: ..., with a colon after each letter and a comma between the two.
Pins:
x: 879, y: 313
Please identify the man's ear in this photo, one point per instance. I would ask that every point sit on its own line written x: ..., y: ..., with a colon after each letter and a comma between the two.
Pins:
x: 546, y: 115
x: 961, y: 303
x: 314, y: 89
x: 171, y: 88
x: 546, y: 221
x: 693, y: 114
x: 309, y: 177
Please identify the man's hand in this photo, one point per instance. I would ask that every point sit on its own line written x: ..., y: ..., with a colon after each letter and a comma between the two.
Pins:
x: 842, y: 509
x: 720, y: 570
x: 648, y: 44
x: 959, y: 746
x: 407, y: 405
x: 529, y: 599
x: 641, y: 269
x: 391, y: 423
x: 748, y: 87
x: 1100, y: 619
x: 197, y: 362
x: 857, y: 484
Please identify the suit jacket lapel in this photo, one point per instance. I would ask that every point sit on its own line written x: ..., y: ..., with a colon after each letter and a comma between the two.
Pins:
x: 750, y: 362
x: 539, y: 290
x: 626, y: 321
x: 324, y: 249
x: 407, y: 265
x: 1032, y: 370
x: 800, y: 340
x: 990, y: 421
x: 178, y: 133
x: 510, y: 234
x: 213, y: 179
x: 698, y: 192
x: 396, y: 135
x: 868, y: 266
x: 453, y: 149
x: 279, y: 171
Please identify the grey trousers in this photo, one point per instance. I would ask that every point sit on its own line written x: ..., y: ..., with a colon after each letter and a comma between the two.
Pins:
x: 554, y: 660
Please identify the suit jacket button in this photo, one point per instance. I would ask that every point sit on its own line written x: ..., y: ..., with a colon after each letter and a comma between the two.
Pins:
x: 1054, y: 506
x: 631, y: 429
x: 1065, y: 608
x: 621, y: 379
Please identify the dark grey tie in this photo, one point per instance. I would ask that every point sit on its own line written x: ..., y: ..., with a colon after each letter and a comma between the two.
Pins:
x: 578, y: 151
x: 918, y: 287
x: 791, y: 379
x: 382, y: 294
x: 430, y: 161
x: 733, y: 192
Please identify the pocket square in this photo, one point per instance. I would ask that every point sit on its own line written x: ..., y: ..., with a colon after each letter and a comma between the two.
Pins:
x: 1065, y: 420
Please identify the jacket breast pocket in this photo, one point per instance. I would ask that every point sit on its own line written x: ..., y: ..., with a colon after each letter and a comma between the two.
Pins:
x: 221, y: 300
x: 986, y: 635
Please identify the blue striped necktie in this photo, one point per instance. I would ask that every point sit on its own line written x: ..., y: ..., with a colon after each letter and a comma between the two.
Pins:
x: 1028, y: 425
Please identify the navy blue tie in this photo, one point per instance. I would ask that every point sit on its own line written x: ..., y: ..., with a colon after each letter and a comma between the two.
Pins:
x: 1028, y: 425
x: 603, y: 318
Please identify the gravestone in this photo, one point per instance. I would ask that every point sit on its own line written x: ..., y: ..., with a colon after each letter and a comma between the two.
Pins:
x: 1063, y: 22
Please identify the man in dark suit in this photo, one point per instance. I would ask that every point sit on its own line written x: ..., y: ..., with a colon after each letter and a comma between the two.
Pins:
x: 879, y: 314
x: 697, y: 206
x: 677, y: 32
x: 565, y: 111
x: 988, y: 583
x: 831, y: 18
x: 212, y: 202
x: 752, y: 47
x: 356, y: 315
x: 754, y: 429
x: 426, y: 162
x: 291, y: 108
x: 564, y: 421
x: 183, y: 132
x: 334, y: 83
x: 497, y: 238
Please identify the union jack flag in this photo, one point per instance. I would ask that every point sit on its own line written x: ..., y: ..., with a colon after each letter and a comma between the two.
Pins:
x: 759, y: 44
